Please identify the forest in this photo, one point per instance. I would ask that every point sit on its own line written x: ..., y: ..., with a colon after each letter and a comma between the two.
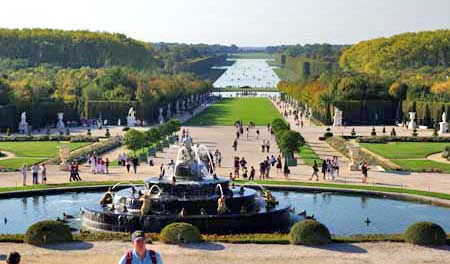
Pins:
x: 399, y: 70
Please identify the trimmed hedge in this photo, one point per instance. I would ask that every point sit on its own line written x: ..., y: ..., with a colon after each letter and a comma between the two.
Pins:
x: 48, y: 232
x: 425, y: 233
x: 177, y: 233
x: 310, y: 233
x: 83, y: 154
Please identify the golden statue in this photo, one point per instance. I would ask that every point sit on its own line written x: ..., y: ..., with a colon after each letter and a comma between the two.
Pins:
x: 107, y: 198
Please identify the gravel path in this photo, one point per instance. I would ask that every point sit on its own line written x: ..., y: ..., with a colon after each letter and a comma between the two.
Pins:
x: 110, y: 252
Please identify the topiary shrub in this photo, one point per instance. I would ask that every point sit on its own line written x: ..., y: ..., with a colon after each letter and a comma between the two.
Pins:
x: 328, y: 133
x: 425, y: 233
x: 176, y: 233
x: 309, y: 232
x: 393, y: 133
x: 373, y: 133
x: 48, y: 232
x: 353, y: 133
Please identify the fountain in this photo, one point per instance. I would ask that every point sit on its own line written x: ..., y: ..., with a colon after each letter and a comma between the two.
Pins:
x: 191, y: 193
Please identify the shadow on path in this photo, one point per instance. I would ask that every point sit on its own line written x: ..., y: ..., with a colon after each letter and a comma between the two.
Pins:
x: 68, y: 246
x: 344, y: 247
x: 204, y: 246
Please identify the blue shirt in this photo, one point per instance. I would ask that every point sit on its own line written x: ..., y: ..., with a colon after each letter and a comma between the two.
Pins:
x: 137, y: 259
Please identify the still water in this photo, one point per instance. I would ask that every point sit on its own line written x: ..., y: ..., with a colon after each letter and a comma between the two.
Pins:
x: 254, y: 73
x: 342, y: 214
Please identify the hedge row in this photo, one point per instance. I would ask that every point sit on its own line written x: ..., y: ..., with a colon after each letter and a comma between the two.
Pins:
x: 289, y: 141
x: 386, y: 139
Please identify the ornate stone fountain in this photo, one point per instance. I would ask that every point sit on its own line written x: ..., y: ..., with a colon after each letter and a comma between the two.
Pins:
x: 192, y: 193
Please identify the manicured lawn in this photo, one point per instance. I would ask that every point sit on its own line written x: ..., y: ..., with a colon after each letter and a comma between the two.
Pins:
x: 308, y: 155
x: 411, y: 156
x: 422, y: 165
x: 46, y: 149
x: 227, y: 111
x: 405, y: 150
x: 16, y: 163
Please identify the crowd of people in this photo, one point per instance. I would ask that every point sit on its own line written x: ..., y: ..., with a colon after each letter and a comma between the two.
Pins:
x: 98, y: 164
x: 35, y: 169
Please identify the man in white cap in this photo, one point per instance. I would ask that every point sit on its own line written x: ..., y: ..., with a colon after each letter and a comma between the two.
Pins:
x: 140, y: 254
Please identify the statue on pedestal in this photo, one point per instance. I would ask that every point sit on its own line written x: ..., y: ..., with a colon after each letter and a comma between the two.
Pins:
x: 412, y: 120
x: 337, y: 119
x: 23, y: 125
x: 443, y: 126
x: 161, y: 117
x: 131, y: 118
x: 60, y: 125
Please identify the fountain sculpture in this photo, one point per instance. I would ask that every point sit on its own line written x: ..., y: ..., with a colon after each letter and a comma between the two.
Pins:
x: 192, y: 193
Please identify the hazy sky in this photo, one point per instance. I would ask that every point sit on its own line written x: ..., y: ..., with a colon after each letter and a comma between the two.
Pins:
x: 241, y: 22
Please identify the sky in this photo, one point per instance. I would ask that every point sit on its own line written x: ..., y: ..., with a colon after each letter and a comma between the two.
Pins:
x: 240, y: 22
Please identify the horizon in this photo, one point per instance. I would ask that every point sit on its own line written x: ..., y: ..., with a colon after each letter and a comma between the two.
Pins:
x: 245, y: 24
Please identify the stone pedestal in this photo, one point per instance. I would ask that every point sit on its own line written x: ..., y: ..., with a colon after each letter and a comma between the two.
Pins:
x: 443, y: 127
x: 355, y: 158
x: 131, y: 121
x: 412, y: 120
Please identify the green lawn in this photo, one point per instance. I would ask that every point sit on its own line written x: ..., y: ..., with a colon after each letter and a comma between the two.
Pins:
x: 16, y: 163
x: 422, y: 165
x: 46, y: 149
x: 308, y: 155
x: 227, y: 111
x: 30, y: 152
x: 405, y: 150
x: 411, y: 156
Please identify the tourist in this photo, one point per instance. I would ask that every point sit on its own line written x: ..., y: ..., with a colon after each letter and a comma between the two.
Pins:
x: 140, y: 254
x: 364, y: 170
x: 301, y: 123
x: 44, y: 173
x: 235, y: 144
x: 13, y: 258
x: 128, y: 164
x: 273, y: 160
x: 236, y: 167
x: 162, y: 171
x: 257, y: 134
x: 107, y: 165
x: 252, y: 173
x: 262, y: 170
x: 77, y: 171
x: 237, y: 134
x: 279, y: 164
x: 315, y: 171
x: 267, y: 145
x: 267, y: 167
x: 120, y: 159
x: 93, y: 163
x: 245, y: 173
x: 247, y: 132
x: 72, y: 171
x: 150, y: 161
x: 336, y: 165
x: 23, y: 170
x: 218, y: 157
x: 135, y: 162
x: 35, y: 173
x: 286, y: 171
x: 324, y: 169
x: 268, y: 127
x: 330, y: 170
x: 243, y: 163
x: 263, y: 145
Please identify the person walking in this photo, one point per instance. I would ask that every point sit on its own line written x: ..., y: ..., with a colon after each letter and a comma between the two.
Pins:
x: 35, y: 173
x: 263, y: 145
x: 267, y: 146
x: 76, y: 171
x: 279, y: 164
x: 72, y: 172
x: 235, y: 144
x: 286, y: 171
x: 252, y: 173
x: 139, y: 254
x: 364, y: 170
x: 336, y: 165
x: 257, y: 134
x: 107, y: 165
x: 267, y: 167
x: 262, y: 170
x: 44, y: 173
x: 135, y: 162
x: 236, y: 167
x: 315, y: 171
x: 128, y: 164
x: 324, y: 169
x: 23, y: 171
